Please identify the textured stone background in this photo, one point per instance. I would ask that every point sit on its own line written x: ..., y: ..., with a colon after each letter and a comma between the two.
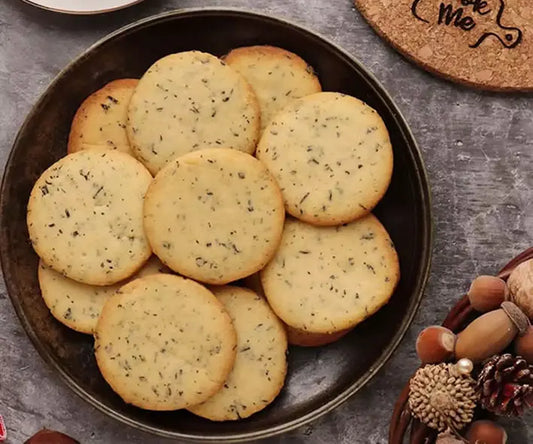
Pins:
x: 478, y: 148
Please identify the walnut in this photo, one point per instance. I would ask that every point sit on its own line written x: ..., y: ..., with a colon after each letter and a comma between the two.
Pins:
x: 520, y: 285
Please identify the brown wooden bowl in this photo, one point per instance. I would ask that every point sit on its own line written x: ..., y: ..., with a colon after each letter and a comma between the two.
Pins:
x: 319, y: 379
x: 461, y: 314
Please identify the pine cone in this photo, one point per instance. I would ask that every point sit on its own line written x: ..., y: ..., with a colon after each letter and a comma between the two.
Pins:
x: 505, y: 385
x: 441, y: 397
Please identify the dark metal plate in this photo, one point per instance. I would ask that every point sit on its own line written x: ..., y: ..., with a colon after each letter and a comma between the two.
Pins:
x: 319, y: 379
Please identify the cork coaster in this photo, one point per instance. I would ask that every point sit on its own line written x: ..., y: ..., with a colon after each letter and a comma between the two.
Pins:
x: 483, y: 43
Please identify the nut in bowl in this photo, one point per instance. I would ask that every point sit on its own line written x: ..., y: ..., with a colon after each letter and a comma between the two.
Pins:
x: 238, y: 217
x: 475, y: 367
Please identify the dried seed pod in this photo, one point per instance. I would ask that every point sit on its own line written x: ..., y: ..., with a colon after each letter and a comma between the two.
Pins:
x: 442, y: 398
x: 435, y: 344
x: 487, y: 293
x: 523, y: 345
x: 448, y: 438
x: 485, y: 336
x: 486, y: 432
x: 520, y: 285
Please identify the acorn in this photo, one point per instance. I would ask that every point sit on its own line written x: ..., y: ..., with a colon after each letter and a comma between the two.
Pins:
x: 487, y: 293
x: 46, y: 436
x: 491, y: 333
x: 523, y: 345
x: 435, y: 344
x: 486, y: 432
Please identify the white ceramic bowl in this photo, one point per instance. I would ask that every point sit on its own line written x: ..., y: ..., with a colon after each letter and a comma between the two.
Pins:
x: 82, y: 6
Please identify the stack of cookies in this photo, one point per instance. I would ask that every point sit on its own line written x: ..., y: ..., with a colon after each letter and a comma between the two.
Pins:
x: 195, y: 263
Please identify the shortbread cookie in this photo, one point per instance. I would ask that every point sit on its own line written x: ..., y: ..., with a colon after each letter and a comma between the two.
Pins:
x: 214, y: 215
x: 331, y: 155
x: 253, y: 282
x: 260, y: 365
x: 303, y: 338
x: 296, y: 337
x: 77, y: 305
x: 276, y: 75
x: 85, y: 216
x: 190, y: 101
x: 329, y: 279
x: 100, y: 121
x: 164, y: 343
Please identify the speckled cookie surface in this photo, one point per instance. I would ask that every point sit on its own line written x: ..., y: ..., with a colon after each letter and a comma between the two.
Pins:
x: 77, y: 305
x: 85, y: 216
x: 190, y: 101
x: 331, y: 155
x: 260, y: 365
x: 276, y: 75
x: 100, y: 121
x: 164, y: 343
x: 329, y: 279
x: 296, y: 337
x: 214, y: 215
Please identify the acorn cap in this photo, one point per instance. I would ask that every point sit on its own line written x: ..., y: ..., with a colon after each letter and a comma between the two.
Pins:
x: 520, y: 320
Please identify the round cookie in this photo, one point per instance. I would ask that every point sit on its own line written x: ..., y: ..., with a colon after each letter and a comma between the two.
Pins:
x: 331, y: 155
x: 276, y: 75
x: 329, y: 279
x: 188, y: 101
x: 260, y: 365
x: 296, y: 337
x: 214, y: 215
x: 77, y: 305
x: 100, y: 121
x: 164, y: 342
x: 303, y: 338
x: 85, y: 216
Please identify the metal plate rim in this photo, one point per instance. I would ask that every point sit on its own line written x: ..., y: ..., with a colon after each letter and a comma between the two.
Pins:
x: 427, y: 237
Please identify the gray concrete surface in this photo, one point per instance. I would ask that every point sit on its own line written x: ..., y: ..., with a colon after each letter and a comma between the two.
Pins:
x: 478, y: 148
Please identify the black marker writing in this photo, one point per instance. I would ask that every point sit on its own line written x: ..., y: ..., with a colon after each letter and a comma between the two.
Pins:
x: 481, y: 19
